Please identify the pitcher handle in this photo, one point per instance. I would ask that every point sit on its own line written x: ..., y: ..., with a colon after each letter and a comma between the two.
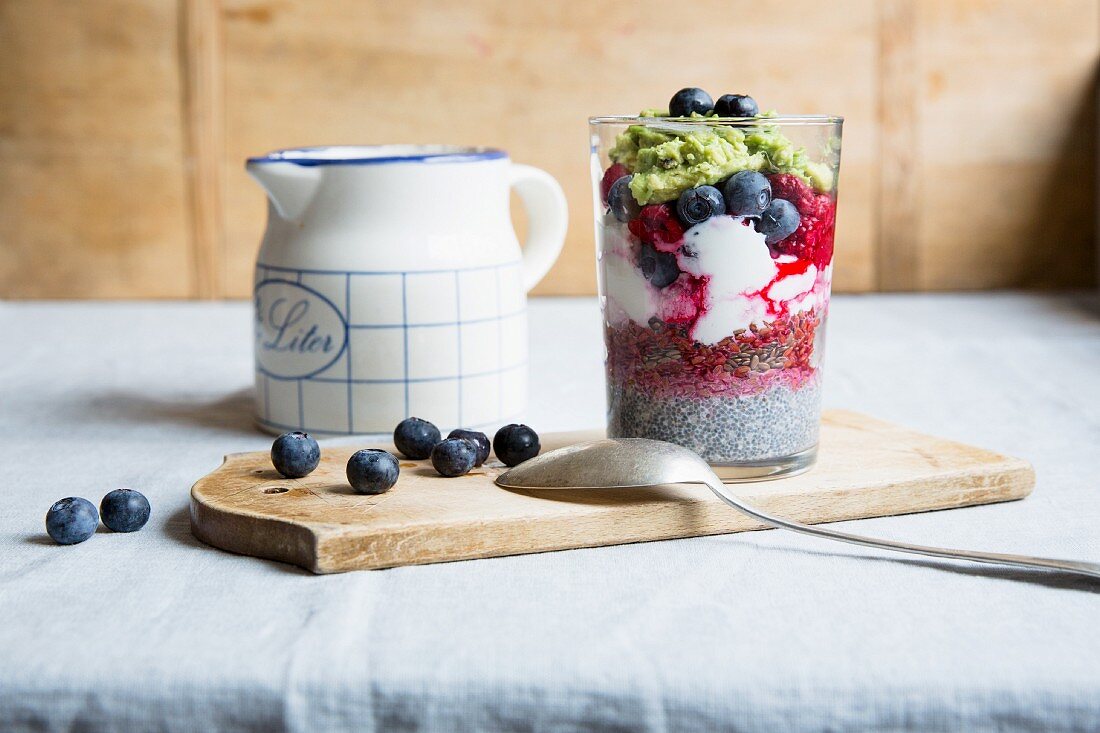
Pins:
x: 547, y: 217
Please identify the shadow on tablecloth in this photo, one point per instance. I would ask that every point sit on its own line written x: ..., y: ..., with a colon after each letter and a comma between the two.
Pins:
x: 178, y: 529
x: 231, y: 412
x: 1045, y: 578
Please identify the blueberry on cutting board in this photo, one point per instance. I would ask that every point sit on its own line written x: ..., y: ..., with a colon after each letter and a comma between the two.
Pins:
x: 295, y: 455
x: 515, y: 444
x: 415, y: 438
x: 454, y: 456
x: 125, y: 510
x: 479, y: 438
x: 372, y: 471
x: 71, y: 520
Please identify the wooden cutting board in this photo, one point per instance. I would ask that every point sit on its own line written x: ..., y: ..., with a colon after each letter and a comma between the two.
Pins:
x: 866, y: 468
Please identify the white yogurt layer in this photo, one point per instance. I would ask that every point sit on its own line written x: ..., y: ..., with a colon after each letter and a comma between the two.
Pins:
x: 630, y: 297
x: 742, y: 286
x: 739, y: 264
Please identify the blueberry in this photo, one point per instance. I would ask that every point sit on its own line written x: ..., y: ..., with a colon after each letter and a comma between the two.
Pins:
x: 125, y: 510
x: 415, y: 437
x: 736, y: 105
x: 372, y: 471
x: 779, y: 221
x: 747, y: 193
x: 659, y: 268
x: 71, y: 520
x: 621, y: 200
x: 454, y: 456
x: 696, y: 205
x: 689, y: 100
x: 481, y: 440
x: 514, y: 444
x: 295, y: 455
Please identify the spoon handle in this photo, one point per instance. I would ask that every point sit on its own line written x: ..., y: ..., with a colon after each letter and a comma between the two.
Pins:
x: 995, y: 558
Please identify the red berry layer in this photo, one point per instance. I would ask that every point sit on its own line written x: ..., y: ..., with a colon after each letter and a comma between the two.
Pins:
x: 658, y: 225
x: 813, y: 240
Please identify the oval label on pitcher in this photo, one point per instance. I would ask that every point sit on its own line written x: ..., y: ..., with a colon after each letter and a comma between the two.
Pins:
x: 299, y: 332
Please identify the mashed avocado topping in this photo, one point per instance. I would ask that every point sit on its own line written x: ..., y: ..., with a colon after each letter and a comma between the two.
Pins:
x: 666, y: 160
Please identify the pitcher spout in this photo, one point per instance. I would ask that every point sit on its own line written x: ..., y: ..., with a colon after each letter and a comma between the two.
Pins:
x: 290, y: 186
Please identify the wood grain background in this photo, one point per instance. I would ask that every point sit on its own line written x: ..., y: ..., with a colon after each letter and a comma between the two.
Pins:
x: 969, y: 148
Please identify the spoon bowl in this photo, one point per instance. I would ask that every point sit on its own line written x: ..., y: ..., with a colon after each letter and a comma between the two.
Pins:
x: 619, y: 463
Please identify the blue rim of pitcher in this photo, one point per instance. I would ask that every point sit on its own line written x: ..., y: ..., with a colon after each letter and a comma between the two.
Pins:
x: 379, y: 154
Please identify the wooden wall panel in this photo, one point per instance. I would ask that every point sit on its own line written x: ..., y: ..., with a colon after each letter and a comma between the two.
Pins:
x: 525, y: 77
x: 969, y: 148
x: 92, y: 199
x: 1006, y: 144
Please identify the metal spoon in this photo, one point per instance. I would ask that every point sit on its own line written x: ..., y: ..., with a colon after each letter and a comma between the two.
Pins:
x: 637, y: 462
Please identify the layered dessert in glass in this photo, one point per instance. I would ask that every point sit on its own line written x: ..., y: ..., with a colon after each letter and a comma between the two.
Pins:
x: 714, y: 232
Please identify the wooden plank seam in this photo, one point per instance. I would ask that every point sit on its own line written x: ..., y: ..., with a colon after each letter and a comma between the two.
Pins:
x: 202, y: 65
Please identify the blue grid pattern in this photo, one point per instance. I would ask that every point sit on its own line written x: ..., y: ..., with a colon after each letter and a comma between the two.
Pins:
x: 447, y: 345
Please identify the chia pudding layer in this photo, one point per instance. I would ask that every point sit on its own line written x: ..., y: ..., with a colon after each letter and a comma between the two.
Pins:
x: 774, y: 423
x: 715, y: 248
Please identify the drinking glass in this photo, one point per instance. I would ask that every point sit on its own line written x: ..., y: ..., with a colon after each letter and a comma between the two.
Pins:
x: 714, y: 241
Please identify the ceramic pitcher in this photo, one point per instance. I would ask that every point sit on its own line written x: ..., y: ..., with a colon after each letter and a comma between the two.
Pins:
x: 390, y: 284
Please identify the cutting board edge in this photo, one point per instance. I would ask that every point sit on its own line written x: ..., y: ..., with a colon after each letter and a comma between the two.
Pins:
x: 296, y: 545
x: 1013, y: 483
x: 223, y: 528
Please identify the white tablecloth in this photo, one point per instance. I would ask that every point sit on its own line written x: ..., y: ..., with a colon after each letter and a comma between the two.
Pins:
x: 764, y: 631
